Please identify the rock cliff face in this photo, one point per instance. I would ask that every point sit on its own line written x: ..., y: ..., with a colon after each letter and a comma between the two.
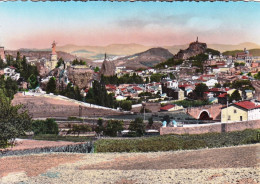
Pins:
x: 194, y: 49
x: 108, y: 68
x: 82, y: 77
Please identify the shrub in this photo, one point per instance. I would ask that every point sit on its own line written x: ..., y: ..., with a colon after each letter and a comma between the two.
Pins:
x: 113, y: 127
x: 48, y: 126
x: 137, y: 126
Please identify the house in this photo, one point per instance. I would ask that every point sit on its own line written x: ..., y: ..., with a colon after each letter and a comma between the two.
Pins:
x: 241, y: 111
x: 171, y: 107
x: 10, y: 72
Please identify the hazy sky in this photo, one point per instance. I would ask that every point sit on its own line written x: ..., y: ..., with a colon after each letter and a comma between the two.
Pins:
x: 36, y: 25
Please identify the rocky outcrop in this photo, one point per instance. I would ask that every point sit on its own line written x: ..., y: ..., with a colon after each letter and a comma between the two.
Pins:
x: 194, y: 49
x: 82, y: 77
x: 108, y: 68
x: 145, y: 59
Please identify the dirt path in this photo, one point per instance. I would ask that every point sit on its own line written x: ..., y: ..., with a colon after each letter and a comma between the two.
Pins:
x: 217, y: 166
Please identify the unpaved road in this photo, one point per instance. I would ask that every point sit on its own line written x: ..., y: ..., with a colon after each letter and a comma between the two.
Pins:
x: 221, y: 165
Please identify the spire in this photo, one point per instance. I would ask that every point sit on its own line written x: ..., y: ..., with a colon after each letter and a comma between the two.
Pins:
x: 54, y: 48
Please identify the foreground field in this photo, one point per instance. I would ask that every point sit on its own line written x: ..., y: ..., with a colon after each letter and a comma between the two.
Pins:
x: 219, y: 165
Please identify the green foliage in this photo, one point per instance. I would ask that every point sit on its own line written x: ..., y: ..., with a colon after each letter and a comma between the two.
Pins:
x: 9, y: 87
x: 200, y: 89
x: 213, y: 52
x: 150, y: 121
x: 178, y: 142
x: 125, y: 79
x: 48, y: 126
x: 60, y: 62
x: 137, y: 126
x: 100, y: 126
x: 192, y: 103
x: 242, y: 85
x: 235, y: 96
x: 257, y: 76
x: 81, y: 128
x: 113, y: 127
x: 156, y: 77
x: 198, y: 61
x: 78, y: 62
x: 126, y: 105
x: 239, y: 64
x: 54, y: 137
x: 33, y: 82
x: 169, y: 63
x: 96, y: 69
x: 217, y: 85
x: 249, y: 74
x: 98, y: 95
x: 2, y: 64
x: 51, y: 85
x: 72, y: 92
x: 14, y: 121
x: 73, y: 118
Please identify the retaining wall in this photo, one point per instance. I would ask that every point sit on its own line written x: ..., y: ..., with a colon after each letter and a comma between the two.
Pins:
x: 217, y: 127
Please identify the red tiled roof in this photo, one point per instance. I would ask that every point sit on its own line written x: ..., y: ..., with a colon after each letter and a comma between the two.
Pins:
x: 222, y: 95
x: 247, y: 105
x: 137, y: 88
x: 167, y: 107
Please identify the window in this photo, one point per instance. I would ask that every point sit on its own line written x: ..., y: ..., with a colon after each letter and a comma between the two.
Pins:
x: 229, y: 117
x: 235, y: 111
x: 241, y: 118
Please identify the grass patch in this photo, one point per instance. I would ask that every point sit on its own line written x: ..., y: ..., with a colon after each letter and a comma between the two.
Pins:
x: 178, y: 142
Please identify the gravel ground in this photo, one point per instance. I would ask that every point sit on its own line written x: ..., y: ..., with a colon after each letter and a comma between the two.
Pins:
x: 221, y: 165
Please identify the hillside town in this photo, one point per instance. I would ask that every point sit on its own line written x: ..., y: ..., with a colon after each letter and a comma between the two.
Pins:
x: 198, y: 85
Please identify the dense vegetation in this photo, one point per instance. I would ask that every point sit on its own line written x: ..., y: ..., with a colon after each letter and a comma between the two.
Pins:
x: 169, y: 63
x: 125, y: 79
x: 178, y: 142
x: 14, y: 121
x: 240, y: 85
x: 192, y: 103
x: 198, y: 61
x: 78, y: 62
x: 212, y: 52
x: 48, y: 126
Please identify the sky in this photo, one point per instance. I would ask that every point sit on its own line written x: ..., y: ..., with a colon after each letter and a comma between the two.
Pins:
x: 37, y: 24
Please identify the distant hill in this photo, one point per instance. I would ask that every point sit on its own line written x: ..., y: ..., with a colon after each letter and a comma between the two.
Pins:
x: 97, y: 52
x: 254, y: 52
x: 145, y: 59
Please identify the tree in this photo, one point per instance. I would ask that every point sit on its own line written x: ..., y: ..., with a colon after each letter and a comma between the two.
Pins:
x: 156, y: 77
x: 113, y: 127
x: 33, y: 81
x: 235, y: 96
x: 96, y: 69
x: 166, y: 118
x: 200, y: 89
x: 137, y: 126
x: 51, y: 85
x: 48, y: 126
x: 14, y: 121
x: 126, y: 105
x: 150, y: 121
x: 100, y: 126
x: 217, y: 85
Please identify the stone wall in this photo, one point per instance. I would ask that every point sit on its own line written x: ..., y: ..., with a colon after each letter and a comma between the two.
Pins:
x: 217, y: 127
